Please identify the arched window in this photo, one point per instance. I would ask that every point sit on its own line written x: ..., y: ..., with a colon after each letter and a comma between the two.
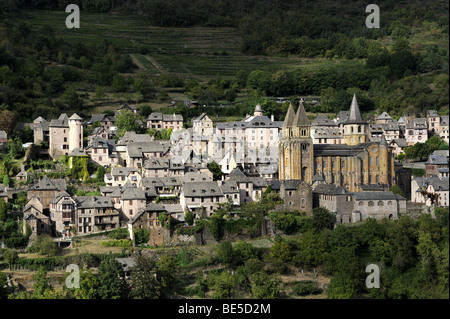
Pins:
x: 371, y: 204
x: 351, y: 129
x: 378, y: 161
x: 333, y: 164
x: 389, y: 202
x: 359, y: 128
x: 380, y: 203
x: 361, y: 203
x: 343, y: 164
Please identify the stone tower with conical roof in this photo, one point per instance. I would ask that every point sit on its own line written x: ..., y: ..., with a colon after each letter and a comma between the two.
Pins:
x: 258, y: 110
x: 296, y: 152
x: 75, y: 132
x: 356, y: 130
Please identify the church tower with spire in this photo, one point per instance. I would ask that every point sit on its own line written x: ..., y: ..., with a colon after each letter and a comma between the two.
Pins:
x: 296, y: 152
x: 356, y: 130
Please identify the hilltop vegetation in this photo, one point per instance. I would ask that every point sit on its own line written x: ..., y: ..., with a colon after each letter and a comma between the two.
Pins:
x: 152, y: 52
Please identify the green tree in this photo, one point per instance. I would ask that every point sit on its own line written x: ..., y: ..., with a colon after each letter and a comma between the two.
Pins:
x: 264, y: 286
x: 166, y: 271
x: 4, y: 290
x: 144, y: 283
x: 41, y: 283
x: 214, y: 168
x: 45, y: 245
x: 11, y: 256
x: 127, y: 122
x: 281, y: 250
x: 88, y: 286
x: 72, y: 99
x: 243, y: 251
x: 225, y: 252
x: 322, y: 218
x: 224, y: 286
x: 112, y: 281
x: 311, y: 249
x: 285, y: 222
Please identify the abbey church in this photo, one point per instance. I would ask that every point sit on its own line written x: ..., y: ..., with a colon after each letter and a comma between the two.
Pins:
x: 356, y: 165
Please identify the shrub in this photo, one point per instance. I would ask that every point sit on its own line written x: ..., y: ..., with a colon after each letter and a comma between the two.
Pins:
x: 117, y: 243
x: 119, y: 233
x: 306, y: 287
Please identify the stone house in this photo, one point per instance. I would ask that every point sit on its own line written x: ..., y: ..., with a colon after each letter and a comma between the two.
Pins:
x: 377, y: 205
x: 398, y: 146
x: 297, y: 195
x: 203, y: 125
x: 132, y: 200
x: 34, y: 217
x: 66, y: 134
x: 47, y: 189
x: 432, y: 191
x: 202, y: 198
x: 148, y: 218
x: 101, y: 152
x: 416, y: 131
x: 158, y: 121
x: 106, y: 122
x: 119, y: 176
x: 437, y: 164
x: 62, y: 212
x: 336, y: 199
x: 95, y: 213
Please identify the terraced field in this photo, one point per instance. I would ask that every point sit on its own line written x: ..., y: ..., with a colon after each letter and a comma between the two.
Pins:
x: 195, y: 51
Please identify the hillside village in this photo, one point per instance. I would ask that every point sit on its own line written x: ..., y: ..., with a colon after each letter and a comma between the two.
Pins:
x: 347, y: 165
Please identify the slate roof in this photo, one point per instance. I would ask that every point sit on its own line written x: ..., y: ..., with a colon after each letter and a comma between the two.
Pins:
x: 250, y: 122
x: 330, y: 189
x: 417, y: 123
x: 289, y: 119
x: 195, y: 177
x: 84, y: 202
x: 323, y: 120
x: 201, y: 189
x: 437, y: 160
x: 301, y: 119
x: 157, y: 163
x: 439, y: 184
x: 354, y: 116
x: 130, y: 193
x: 49, y: 184
x: 137, y: 149
x: 229, y: 187
x: 130, y: 137
x: 59, y: 196
x: 401, y: 142
x: 123, y: 171
x: 62, y: 121
x: 164, y: 117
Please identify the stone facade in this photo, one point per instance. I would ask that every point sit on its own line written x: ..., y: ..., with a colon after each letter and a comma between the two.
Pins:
x: 354, y: 164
